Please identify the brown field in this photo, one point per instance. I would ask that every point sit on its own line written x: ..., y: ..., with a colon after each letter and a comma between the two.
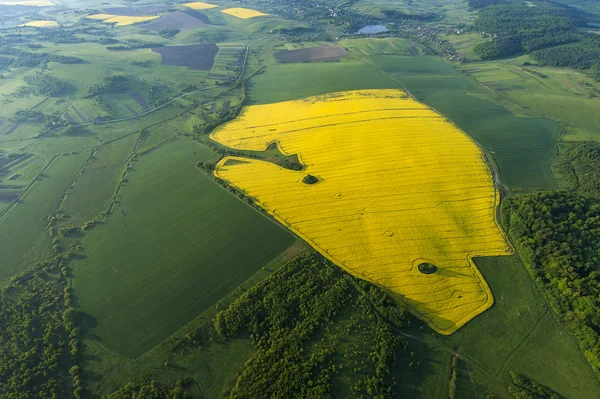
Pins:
x: 6, y: 130
x: 9, y: 196
x: 136, y: 11
x: 175, y: 20
x: 325, y: 53
x: 198, y: 56
x: 79, y: 113
x: 138, y: 98
x: 198, y: 15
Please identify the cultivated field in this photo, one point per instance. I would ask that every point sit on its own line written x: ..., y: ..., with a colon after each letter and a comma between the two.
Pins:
x: 282, y: 82
x: 23, y: 226
x: 198, y: 5
x: 243, y: 13
x: 141, y: 11
x: 198, y: 56
x: 436, y: 204
x: 325, y: 53
x: 174, y: 246
x: 522, y: 146
x: 176, y: 20
x: 41, y: 24
x: 119, y: 20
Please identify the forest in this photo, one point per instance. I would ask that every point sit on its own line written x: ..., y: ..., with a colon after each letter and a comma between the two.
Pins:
x: 519, y: 28
x: 39, y: 337
x: 556, y: 233
x: 310, y: 298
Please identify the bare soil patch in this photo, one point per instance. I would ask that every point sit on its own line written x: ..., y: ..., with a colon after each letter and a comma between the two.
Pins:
x: 175, y: 20
x: 8, y: 196
x: 198, y: 15
x: 226, y: 105
x: 199, y: 56
x: 324, y: 53
x: 293, y: 251
x: 130, y: 108
x: 138, y: 98
x: 9, y: 130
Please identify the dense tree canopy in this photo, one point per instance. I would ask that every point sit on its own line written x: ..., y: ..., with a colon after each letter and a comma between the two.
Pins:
x: 558, y: 237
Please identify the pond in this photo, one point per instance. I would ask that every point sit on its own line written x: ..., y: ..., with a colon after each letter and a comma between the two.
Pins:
x: 372, y: 29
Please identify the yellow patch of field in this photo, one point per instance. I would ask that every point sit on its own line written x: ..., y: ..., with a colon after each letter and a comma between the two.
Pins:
x: 399, y: 186
x: 198, y: 5
x: 33, y: 3
x: 41, y: 24
x: 243, y: 13
x: 121, y: 20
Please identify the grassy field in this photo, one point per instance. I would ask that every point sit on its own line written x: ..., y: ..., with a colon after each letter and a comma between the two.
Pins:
x: 519, y: 333
x: 174, y: 246
x: 564, y: 95
x: 521, y: 146
x: 284, y: 82
x: 23, y: 227
x: 93, y: 190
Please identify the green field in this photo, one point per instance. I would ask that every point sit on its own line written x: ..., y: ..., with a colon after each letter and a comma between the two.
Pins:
x: 174, y: 246
x: 291, y: 81
x: 93, y: 189
x: 23, y: 227
x: 521, y: 146
x: 566, y: 96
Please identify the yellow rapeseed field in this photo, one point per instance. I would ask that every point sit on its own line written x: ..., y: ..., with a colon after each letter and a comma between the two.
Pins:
x: 243, y: 13
x: 41, y: 24
x: 121, y: 20
x: 198, y: 5
x: 399, y: 186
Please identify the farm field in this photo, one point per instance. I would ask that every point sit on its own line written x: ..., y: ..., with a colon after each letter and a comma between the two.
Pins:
x: 325, y: 53
x: 138, y: 11
x: 565, y: 96
x: 199, y: 56
x: 120, y: 20
x: 93, y: 190
x: 388, y: 45
x: 243, y: 13
x: 179, y: 20
x: 325, y: 226
x: 23, y: 227
x: 41, y: 24
x: 137, y: 293
x: 384, y: 232
x: 522, y: 147
x: 284, y: 82
x: 198, y: 5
